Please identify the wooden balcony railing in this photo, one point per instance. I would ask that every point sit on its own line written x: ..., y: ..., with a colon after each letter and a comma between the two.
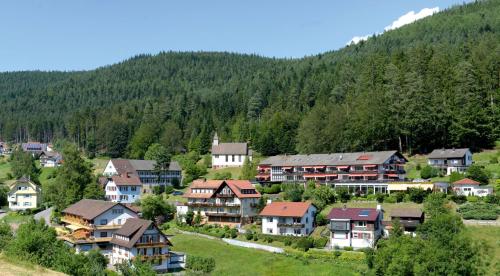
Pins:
x: 211, y: 214
x: 291, y: 225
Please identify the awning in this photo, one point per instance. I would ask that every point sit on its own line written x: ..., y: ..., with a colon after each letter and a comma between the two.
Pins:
x: 310, y: 175
x: 319, y: 167
x: 369, y: 166
x: 287, y: 168
x: 371, y: 174
x: 343, y: 167
x: 308, y: 167
x: 392, y: 175
x: 331, y: 175
x: 356, y: 174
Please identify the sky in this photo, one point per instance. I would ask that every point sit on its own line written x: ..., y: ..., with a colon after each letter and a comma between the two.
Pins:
x: 83, y: 35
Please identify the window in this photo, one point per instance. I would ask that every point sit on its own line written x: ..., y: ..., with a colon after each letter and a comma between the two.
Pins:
x: 360, y: 223
x: 216, y: 156
x: 117, y: 211
x: 27, y: 196
x: 232, y: 158
x: 104, y: 234
x: 270, y: 230
x: 270, y: 219
x: 133, y: 188
x: 296, y: 231
x: 104, y: 221
x: 307, y: 219
x: 27, y: 204
x: 239, y: 158
x: 119, y: 221
x: 227, y: 157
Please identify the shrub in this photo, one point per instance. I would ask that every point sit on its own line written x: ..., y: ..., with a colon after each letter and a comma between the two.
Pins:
x: 321, y: 219
x: 400, y: 196
x: 200, y: 264
x: 255, y: 237
x: 479, y: 210
x: 348, y: 248
x: 320, y: 242
x: 494, y: 160
x: 417, y: 195
x: 455, y: 176
x: 371, y: 197
x: 343, y: 194
x: 458, y: 199
x: 390, y: 199
x: 337, y: 254
x: 273, y: 189
x: 305, y: 243
x: 380, y: 197
x: 418, y: 167
x: 472, y: 199
x: 288, y: 242
x: 249, y: 235
x: 169, y: 189
x: 233, y: 233
x: 478, y: 173
x: 428, y: 172
x: 493, y: 199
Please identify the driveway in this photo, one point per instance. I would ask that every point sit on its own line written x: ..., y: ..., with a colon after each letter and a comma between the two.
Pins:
x: 45, y: 214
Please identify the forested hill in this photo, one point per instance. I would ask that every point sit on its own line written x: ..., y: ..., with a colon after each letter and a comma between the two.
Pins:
x: 429, y: 84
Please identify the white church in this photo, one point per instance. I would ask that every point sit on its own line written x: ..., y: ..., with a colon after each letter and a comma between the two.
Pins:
x: 229, y: 154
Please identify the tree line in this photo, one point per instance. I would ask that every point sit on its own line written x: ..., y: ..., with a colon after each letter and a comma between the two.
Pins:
x: 430, y: 84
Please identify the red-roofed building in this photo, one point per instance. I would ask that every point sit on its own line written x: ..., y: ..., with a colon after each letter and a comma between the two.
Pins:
x: 469, y: 187
x: 288, y: 218
x: 355, y: 227
x: 225, y: 202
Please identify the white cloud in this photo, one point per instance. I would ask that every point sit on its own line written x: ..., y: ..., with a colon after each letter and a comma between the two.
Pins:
x: 408, y: 18
x: 357, y: 39
x: 411, y: 17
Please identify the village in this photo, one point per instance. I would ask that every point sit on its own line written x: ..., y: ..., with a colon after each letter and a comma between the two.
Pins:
x: 343, y: 202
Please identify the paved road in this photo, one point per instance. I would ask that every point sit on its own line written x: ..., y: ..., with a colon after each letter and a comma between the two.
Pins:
x: 45, y: 214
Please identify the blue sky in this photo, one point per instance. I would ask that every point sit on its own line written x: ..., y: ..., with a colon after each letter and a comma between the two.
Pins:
x: 81, y: 35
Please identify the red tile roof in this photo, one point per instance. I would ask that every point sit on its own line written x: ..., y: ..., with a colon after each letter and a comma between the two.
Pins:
x: 354, y: 214
x: 466, y: 181
x: 237, y: 186
x: 285, y: 209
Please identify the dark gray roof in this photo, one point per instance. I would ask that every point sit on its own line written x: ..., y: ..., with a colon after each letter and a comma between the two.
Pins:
x: 230, y: 148
x: 333, y: 159
x: 407, y: 213
x: 131, y: 165
x: 133, y: 229
x: 448, y: 153
x: 91, y: 208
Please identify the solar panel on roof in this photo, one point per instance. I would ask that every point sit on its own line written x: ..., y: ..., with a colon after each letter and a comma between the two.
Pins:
x: 364, y: 213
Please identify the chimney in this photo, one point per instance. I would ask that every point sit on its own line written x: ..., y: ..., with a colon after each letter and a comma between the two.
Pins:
x: 340, y: 157
x: 269, y: 201
x: 379, y: 207
x: 344, y: 207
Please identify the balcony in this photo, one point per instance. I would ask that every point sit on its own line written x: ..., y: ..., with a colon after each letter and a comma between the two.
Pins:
x: 151, y: 244
x: 213, y: 204
x: 291, y: 225
x: 212, y: 214
x: 12, y: 198
x: 108, y: 226
x: 225, y: 195
x: 154, y: 257
x: 77, y: 222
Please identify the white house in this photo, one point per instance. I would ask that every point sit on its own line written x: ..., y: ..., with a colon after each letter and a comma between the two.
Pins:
x: 24, y: 194
x: 450, y: 160
x: 229, y: 154
x: 50, y: 159
x: 139, y: 238
x: 223, y: 202
x: 469, y: 187
x: 145, y: 170
x: 90, y: 224
x: 355, y: 227
x: 124, y: 189
x: 288, y: 218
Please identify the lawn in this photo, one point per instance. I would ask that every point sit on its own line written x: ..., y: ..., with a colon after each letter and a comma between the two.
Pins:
x: 483, y: 159
x: 99, y: 164
x: 235, y: 172
x: 387, y: 207
x: 233, y: 260
x: 4, y: 167
x: 9, y: 267
x: 491, y: 235
x: 14, y: 217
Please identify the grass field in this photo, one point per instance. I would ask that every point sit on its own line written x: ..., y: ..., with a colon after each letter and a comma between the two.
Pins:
x: 4, y: 167
x: 491, y: 235
x: 99, y: 164
x: 10, y: 267
x: 235, y: 172
x: 233, y: 260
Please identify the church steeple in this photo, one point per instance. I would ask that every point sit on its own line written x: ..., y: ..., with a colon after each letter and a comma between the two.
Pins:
x: 215, y: 142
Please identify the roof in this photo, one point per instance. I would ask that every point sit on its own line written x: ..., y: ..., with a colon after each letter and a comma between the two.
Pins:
x: 133, y: 228
x: 466, y: 181
x: 286, y: 209
x: 230, y: 148
x: 332, y: 159
x: 354, y: 214
x: 91, y: 208
x: 235, y: 185
x: 447, y: 153
x: 127, y: 180
x: 407, y: 213
x: 123, y: 166
x: 23, y: 179
x: 34, y: 146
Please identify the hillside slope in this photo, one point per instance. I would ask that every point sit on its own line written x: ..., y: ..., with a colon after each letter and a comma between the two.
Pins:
x: 430, y: 84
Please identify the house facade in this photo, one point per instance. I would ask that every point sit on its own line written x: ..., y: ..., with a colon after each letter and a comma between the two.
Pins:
x: 469, y: 187
x: 409, y: 218
x: 124, y: 189
x: 288, y: 218
x: 229, y: 154
x: 357, y: 167
x: 355, y: 227
x: 24, y: 194
x: 145, y: 170
x: 450, y: 160
x: 139, y: 238
x: 223, y: 202
x: 50, y: 159
x: 90, y: 224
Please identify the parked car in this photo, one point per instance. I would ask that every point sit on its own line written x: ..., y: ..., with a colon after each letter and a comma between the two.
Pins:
x: 177, y: 193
